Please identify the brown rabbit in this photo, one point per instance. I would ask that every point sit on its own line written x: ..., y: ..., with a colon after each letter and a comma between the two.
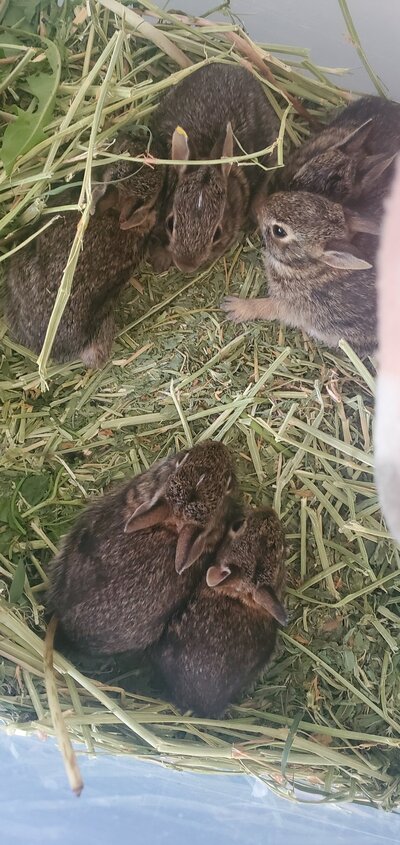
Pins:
x: 218, y: 111
x: 114, y: 241
x: 217, y: 646
x: 320, y: 275
x: 134, y: 556
x: 351, y: 158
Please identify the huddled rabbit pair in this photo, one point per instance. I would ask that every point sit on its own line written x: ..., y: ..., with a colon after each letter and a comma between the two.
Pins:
x: 173, y: 563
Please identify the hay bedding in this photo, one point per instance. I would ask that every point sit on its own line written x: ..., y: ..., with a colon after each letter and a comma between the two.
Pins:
x: 325, y: 716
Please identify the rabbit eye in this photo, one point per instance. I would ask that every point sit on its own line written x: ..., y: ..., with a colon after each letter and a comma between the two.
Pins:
x: 217, y: 235
x: 170, y: 224
x: 279, y: 231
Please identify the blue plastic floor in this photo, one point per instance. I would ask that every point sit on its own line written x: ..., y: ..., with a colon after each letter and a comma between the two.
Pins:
x: 125, y: 801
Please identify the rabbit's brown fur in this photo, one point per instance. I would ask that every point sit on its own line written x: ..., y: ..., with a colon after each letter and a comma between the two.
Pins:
x: 217, y: 646
x: 351, y: 159
x: 114, y: 583
x: 320, y: 275
x: 110, y: 252
x: 206, y: 206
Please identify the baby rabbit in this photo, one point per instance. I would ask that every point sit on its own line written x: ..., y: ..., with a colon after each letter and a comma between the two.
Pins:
x: 217, y: 646
x: 115, y: 581
x: 114, y: 241
x: 320, y: 275
x: 352, y: 157
x: 218, y: 111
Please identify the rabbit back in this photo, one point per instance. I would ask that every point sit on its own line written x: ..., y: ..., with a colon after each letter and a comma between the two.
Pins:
x: 351, y: 158
x: 130, y: 594
x: 205, y: 101
x: 123, y: 213
x: 213, y: 651
x: 384, y: 131
x: 109, y: 254
x: 111, y: 590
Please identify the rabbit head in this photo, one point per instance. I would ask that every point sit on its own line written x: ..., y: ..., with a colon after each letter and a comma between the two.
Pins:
x: 250, y: 562
x: 300, y: 229
x: 336, y: 164
x: 196, y: 499
x: 209, y: 204
x: 132, y: 188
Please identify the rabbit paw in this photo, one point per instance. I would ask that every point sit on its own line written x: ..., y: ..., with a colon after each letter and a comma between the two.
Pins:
x: 238, y: 310
x: 94, y: 356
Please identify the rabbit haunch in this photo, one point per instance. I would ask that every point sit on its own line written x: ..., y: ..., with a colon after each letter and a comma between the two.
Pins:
x: 217, y: 112
x: 135, y: 555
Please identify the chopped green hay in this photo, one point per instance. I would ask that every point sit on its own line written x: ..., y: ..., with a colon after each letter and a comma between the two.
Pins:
x: 325, y: 716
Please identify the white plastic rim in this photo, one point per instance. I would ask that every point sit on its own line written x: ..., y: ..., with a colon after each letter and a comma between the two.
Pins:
x: 387, y: 414
x: 387, y: 449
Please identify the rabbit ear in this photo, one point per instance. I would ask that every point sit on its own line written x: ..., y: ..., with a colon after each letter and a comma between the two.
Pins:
x: 355, y: 139
x: 148, y: 514
x: 154, y: 510
x: 223, y: 148
x: 133, y: 213
x: 104, y: 196
x: 304, y: 167
x: 266, y: 597
x: 344, y: 256
x: 180, y: 149
x: 97, y: 193
x: 359, y: 223
x: 190, y: 546
x: 373, y: 168
x: 227, y: 150
x: 216, y: 574
x: 181, y: 461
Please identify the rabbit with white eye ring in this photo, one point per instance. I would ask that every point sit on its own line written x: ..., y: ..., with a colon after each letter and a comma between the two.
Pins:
x: 217, y: 646
x: 319, y: 263
x: 114, y: 242
x: 352, y: 159
x: 217, y: 112
x: 135, y: 555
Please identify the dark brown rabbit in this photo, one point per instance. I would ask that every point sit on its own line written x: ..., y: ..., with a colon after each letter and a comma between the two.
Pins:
x: 114, y: 242
x: 219, y: 644
x: 320, y: 274
x: 219, y: 111
x: 352, y: 158
x: 115, y: 581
